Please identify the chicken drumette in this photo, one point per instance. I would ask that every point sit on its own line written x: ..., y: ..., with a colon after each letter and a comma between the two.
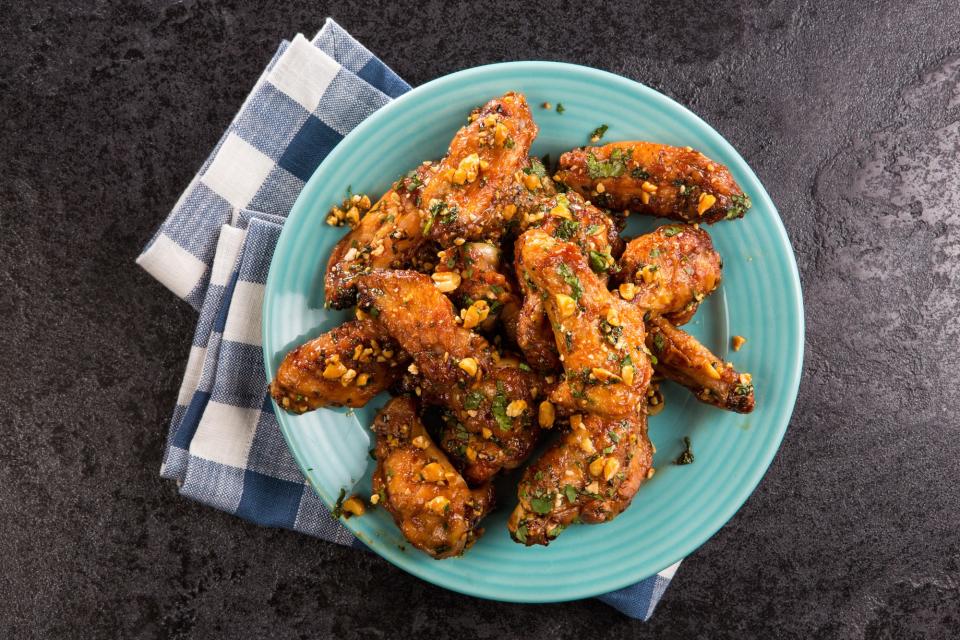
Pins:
x: 429, y: 500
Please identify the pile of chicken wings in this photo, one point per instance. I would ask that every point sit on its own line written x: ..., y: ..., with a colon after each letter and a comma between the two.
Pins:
x: 497, y: 302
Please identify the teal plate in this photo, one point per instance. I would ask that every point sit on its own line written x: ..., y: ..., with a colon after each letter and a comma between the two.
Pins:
x: 682, y: 506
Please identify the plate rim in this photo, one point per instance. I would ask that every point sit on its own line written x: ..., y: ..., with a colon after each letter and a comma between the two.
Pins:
x: 793, y: 376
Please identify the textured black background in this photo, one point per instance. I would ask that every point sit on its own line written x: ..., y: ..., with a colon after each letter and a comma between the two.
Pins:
x: 848, y: 113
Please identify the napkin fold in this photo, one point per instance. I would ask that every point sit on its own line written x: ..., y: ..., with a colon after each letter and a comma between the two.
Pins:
x: 224, y: 447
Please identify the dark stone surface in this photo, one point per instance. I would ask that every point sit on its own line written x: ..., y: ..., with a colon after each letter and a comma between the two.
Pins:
x: 850, y: 115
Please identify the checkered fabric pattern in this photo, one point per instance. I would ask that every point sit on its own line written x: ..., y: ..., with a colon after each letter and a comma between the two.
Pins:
x: 214, y: 250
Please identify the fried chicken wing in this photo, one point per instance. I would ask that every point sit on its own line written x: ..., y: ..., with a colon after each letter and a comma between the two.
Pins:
x: 344, y: 367
x: 654, y: 179
x: 671, y: 269
x: 681, y: 358
x: 566, y: 217
x: 599, y: 336
x: 590, y: 475
x: 484, y: 290
x: 387, y: 237
x: 429, y: 500
x: 490, y: 405
x: 481, y: 173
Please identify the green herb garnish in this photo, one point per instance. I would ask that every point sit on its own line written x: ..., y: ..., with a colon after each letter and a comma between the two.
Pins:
x: 521, y: 533
x: 639, y: 173
x: 613, y: 167
x: 499, y: 408
x: 473, y: 400
x: 542, y: 505
x: 576, y: 289
x: 571, y: 493
x: 560, y: 107
x: 597, y: 133
x: 687, y: 456
x: 669, y: 232
x: 337, y: 511
x: 741, y: 204
x: 566, y: 229
x: 658, y: 342
x: 598, y: 262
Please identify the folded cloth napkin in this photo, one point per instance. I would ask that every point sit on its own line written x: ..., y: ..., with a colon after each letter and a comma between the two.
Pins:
x: 224, y: 446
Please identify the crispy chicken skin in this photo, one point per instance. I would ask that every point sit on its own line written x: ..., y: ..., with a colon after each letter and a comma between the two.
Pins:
x: 599, y: 336
x: 590, y: 475
x: 672, y: 270
x: 566, y: 217
x: 654, y: 179
x: 344, y: 367
x: 593, y: 471
x: 490, y: 406
x: 387, y: 237
x: 429, y: 500
x: 681, y: 358
x: 481, y: 173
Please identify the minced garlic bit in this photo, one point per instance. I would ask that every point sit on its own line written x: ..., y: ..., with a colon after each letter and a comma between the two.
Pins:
x: 350, y: 211
x: 738, y: 341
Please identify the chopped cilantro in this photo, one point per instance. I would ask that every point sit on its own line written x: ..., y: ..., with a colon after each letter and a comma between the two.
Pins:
x: 593, y: 229
x: 639, y: 173
x: 542, y: 504
x: 557, y: 530
x: 658, y: 342
x: 597, y: 133
x: 338, y: 506
x: 509, y: 143
x: 743, y: 389
x: 613, y: 436
x: 525, y: 367
x: 560, y: 107
x: 741, y: 204
x: 536, y: 168
x: 521, y: 533
x: 413, y: 181
x: 499, y: 408
x: 669, y: 232
x: 473, y: 400
x: 566, y: 229
x: 598, y: 262
x: 576, y: 289
x: 654, y: 252
x: 613, y: 167
x: 571, y: 493
x: 687, y: 456
x: 608, y: 450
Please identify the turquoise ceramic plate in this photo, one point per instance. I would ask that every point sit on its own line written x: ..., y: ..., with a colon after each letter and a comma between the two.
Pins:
x: 681, y: 507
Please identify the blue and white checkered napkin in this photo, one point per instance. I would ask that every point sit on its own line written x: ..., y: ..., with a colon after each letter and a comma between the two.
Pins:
x: 214, y: 250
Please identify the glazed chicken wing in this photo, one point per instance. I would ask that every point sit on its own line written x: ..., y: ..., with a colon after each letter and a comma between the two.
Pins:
x: 590, y: 475
x: 566, y: 217
x: 429, y: 500
x: 490, y: 406
x: 481, y: 173
x: 344, y: 367
x: 681, y: 358
x: 599, y: 336
x: 592, y: 472
x: 671, y: 269
x: 654, y: 179
x: 387, y: 237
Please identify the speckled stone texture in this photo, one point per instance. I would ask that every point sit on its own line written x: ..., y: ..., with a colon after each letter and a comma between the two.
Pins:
x: 850, y: 114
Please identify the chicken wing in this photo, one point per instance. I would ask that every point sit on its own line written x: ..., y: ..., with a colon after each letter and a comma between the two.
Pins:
x: 491, y: 406
x: 590, y: 475
x: 387, y: 237
x: 681, y: 358
x: 671, y: 270
x: 344, y: 367
x: 599, y: 336
x: 429, y: 500
x: 567, y: 217
x: 594, y: 470
x: 654, y: 179
x: 481, y: 173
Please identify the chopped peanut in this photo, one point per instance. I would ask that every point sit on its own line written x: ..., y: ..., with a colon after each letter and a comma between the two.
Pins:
x: 566, y: 305
x: 648, y: 187
x: 420, y: 442
x: 627, y: 290
x: 586, y: 444
x: 593, y: 487
x: 438, y: 504
x: 334, y: 370
x: 471, y: 454
x: 531, y: 182
x: 348, y: 376
x: 467, y: 170
x: 627, y: 372
x: 649, y: 273
x: 375, y: 499
x: 711, y: 371
x: 476, y: 314
x: 433, y: 472
x: 610, y: 468
x: 645, y: 197
x: 509, y: 211
x: 613, y: 318
x: 486, y: 433
x: 738, y: 341
x: 576, y: 421
x: 603, y: 375
x: 363, y: 379
x: 600, y: 187
x: 469, y: 365
x: 706, y: 201
x: 546, y: 414
x: 596, y: 467
x: 516, y: 408
x: 446, y: 281
x: 354, y: 506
